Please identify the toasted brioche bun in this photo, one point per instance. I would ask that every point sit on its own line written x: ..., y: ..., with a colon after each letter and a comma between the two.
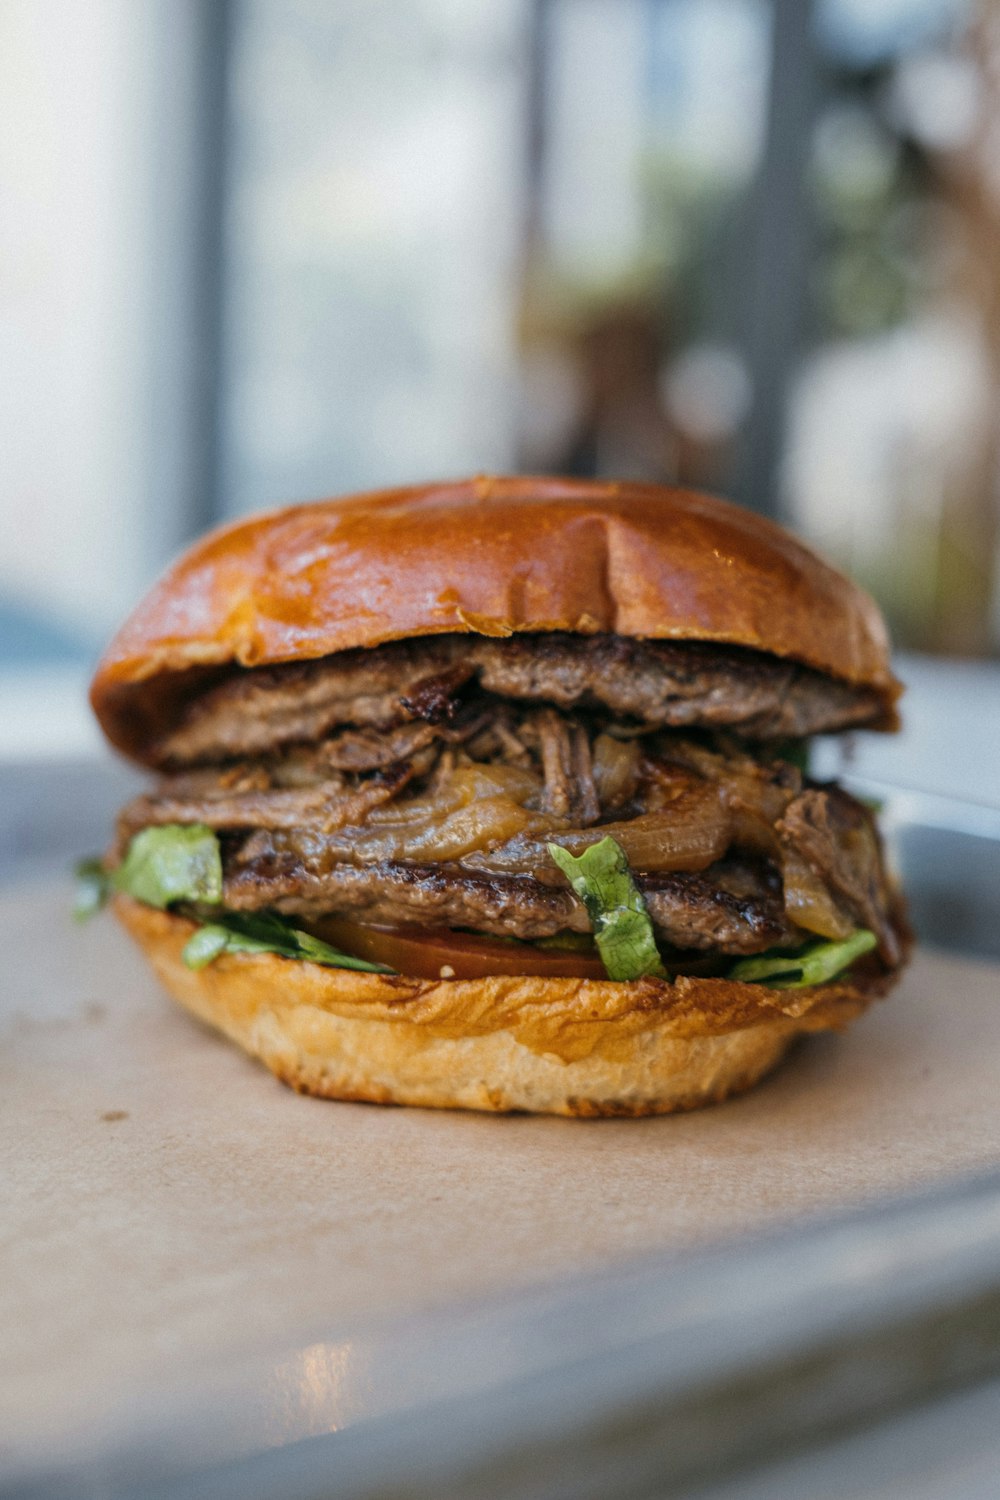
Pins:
x: 549, y: 1046
x: 492, y: 556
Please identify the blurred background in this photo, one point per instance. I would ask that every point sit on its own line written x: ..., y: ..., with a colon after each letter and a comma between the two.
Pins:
x: 253, y: 251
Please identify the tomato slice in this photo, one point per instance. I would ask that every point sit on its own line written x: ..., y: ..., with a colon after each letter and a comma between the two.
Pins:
x: 431, y: 952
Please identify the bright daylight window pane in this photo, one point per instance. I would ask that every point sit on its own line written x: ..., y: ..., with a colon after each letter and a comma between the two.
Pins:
x: 372, y: 244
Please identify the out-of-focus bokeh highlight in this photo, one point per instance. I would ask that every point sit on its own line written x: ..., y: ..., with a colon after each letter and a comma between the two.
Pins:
x: 253, y: 251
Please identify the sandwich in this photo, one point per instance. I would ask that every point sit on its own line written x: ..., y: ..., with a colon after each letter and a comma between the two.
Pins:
x: 496, y: 795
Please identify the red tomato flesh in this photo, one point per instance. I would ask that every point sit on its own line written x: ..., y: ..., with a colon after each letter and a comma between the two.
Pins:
x: 429, y: 953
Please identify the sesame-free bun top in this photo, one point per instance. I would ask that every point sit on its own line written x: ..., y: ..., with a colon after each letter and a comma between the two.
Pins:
x: 490, y: 556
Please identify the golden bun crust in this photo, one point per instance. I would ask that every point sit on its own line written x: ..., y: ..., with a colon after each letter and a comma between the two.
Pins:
x: 492, y: 556
x: 555, y: 1046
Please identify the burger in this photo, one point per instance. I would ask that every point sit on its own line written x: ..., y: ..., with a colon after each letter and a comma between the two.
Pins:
x: 495, y: 795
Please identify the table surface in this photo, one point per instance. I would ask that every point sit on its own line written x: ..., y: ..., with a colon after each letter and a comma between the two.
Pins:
x: 171, y: 1207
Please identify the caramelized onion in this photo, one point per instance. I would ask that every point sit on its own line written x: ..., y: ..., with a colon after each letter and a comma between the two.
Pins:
x: 465, y: 785
x: 809, y: 903
x: 615, y: 770
x: 758, y: 794
x: 691, y: 833
x: 479, y: 825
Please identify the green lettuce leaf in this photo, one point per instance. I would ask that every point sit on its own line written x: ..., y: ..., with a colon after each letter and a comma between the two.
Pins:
x: 183, y: 862
x: 178, y: 862
x: 601, y: 878
x: 265, y: 932
x: 816, y: 963
x: 93, y: 887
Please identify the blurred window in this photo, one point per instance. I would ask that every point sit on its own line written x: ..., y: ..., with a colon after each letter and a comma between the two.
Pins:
x: 372, y: 242
x: 260, y: 250
x: 652, y: 122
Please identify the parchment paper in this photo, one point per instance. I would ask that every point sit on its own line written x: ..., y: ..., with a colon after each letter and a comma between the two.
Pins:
x: 168, y: 1205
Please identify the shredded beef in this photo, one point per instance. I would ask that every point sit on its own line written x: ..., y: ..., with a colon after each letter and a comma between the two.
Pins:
x: 565, y: 754
x: 325, y: 806
x: 298, y: 830
x: 653, y: 683
x: 299, y: 768
x: 836, y: 837
x: 434, y: 698
x: 372, y: 750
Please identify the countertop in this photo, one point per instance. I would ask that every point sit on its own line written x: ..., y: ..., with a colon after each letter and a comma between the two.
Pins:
x: 170, y: 1207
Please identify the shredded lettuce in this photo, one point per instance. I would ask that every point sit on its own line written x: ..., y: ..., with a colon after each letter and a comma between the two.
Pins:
x: 565, y: 942
x: 183, y: 862
x: 816, y: 963
x: 623, y: 932
x: 265, y: 932
x: 93, y: 886
x: 176, y: 862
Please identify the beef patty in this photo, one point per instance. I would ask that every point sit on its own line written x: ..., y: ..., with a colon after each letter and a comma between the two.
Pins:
x: 732, y: 907
x: 653, y: 684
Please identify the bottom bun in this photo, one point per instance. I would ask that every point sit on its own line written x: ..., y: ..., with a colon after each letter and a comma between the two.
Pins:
x: 549, y: 1046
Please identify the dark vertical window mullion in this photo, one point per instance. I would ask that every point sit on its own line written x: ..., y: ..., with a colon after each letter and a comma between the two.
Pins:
x: 775, y: 290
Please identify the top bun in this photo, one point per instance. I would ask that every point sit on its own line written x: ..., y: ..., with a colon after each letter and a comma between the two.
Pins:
x: 490, y: 556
